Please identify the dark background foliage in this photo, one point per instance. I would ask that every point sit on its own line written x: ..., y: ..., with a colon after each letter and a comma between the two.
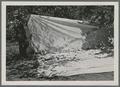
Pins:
x: 101, y: 16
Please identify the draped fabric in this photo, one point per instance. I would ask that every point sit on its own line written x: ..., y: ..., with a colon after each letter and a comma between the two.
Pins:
x: 57, y: 34
x: 58, y: 42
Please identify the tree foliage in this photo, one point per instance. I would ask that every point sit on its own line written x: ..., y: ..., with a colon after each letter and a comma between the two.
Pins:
x: 101, y: 16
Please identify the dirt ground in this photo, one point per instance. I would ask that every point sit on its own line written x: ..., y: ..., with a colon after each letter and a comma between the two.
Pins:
x: 24, y: 69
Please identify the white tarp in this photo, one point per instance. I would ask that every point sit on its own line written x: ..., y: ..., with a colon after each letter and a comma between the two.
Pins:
x: 61, y: 40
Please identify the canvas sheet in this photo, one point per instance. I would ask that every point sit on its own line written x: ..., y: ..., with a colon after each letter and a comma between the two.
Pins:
x: 58, y: 42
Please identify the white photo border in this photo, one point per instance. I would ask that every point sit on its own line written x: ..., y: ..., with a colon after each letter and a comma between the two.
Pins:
x: 115, y: 82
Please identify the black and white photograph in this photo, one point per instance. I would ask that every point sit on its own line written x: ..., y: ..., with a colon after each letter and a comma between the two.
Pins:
x: 59, y: 43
